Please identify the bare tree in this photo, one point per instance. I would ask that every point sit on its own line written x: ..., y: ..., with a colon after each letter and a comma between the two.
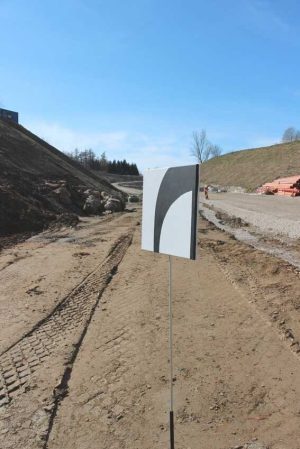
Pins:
x: 202, y: 149
x: 200, y: 146
x: 214, y: 150
x: 290, y: 134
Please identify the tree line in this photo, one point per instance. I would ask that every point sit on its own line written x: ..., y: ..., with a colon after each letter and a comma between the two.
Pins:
x: 89, y: 160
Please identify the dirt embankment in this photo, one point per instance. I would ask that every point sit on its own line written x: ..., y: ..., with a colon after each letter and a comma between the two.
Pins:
x: 38, y: 183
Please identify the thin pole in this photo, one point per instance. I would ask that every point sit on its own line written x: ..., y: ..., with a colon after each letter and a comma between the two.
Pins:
x: 172, y: 443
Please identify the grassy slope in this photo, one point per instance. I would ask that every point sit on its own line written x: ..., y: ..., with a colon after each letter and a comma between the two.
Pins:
x: 252, y: 168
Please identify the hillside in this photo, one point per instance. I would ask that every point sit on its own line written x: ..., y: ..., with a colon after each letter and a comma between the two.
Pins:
x: 38, y: 183
x: 251, y: 168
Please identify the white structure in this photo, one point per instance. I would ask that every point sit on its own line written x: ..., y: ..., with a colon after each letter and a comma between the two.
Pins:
x: 170, y: 209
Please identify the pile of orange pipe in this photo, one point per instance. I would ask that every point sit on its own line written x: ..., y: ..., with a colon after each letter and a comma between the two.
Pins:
x: 282, y: 186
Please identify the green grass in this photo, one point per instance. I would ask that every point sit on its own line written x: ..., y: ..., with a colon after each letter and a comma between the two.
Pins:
x: 252, y: 168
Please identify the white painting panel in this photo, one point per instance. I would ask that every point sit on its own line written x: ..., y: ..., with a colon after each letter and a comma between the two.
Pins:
x: 151, y: 183
x: 170, y: 200
x: 176, y: 229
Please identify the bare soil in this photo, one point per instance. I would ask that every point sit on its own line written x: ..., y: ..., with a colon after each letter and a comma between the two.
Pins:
x: 84, y: 343
x: 38, y: 183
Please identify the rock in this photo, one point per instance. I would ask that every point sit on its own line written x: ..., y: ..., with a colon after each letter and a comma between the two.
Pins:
x: 118, y: 411
x: 93, y: 205
x: 97, y: 194
x: 251, y: 445
x: 133, y: 199
x: 49, y: 408
x: 87, y: 193
x: 114, y: 205
x: 63, y: 195
x: 255, y: 445
x: 104, y: 195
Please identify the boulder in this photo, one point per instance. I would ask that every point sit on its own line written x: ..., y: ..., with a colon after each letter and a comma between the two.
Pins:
x: 96, y: 194
x: 105, y: 195
x: 133, y: 199
x: 113, y: 205
x: 87, y: 193
x: 63, y: 195
x: 93, y: 205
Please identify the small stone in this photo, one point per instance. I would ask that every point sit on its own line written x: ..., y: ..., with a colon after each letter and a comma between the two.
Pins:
x: 49, y: 408
x: 254, y: 445
x: 118, y: 411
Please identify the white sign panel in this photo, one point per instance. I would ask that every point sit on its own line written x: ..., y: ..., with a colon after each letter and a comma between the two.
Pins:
x: 170, y: 209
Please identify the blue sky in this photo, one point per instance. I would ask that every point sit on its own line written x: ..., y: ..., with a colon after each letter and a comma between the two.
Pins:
x: 135, y: 78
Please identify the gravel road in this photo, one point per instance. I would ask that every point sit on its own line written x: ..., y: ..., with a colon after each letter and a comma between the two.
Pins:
x: 271, y: 214
x: 130, y: 190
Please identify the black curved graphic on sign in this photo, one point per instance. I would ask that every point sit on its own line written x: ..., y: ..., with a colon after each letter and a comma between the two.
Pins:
x: 176, y: 182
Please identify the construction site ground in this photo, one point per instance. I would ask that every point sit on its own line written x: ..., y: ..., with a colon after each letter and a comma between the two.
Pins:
x: 84, y: 342
x: 271, y: 214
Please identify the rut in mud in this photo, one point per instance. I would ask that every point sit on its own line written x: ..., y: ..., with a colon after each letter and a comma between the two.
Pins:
x: 63, y: 328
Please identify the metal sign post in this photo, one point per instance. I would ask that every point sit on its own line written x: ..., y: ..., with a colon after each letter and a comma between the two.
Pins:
x: 170, y: 209
x: 172, y: 442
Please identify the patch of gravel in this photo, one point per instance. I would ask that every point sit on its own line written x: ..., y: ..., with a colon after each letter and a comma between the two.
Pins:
x: 240, y: 233
x: 252, y: 445
x: 266, y: 222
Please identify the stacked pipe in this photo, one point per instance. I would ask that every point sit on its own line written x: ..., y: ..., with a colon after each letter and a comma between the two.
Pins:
x: 282, y: 186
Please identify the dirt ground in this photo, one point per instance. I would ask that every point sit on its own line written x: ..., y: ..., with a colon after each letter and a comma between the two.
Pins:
x: 84, y: 342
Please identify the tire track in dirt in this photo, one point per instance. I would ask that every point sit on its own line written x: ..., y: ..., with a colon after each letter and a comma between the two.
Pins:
x: 119, y: 350
x: 66, y: 324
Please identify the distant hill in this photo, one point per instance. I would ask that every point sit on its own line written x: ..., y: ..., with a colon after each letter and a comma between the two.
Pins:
x: 38, y: 183
x: 251, y: 168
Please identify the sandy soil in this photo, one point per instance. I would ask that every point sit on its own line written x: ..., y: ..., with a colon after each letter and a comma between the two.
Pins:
x: 94, y: 372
